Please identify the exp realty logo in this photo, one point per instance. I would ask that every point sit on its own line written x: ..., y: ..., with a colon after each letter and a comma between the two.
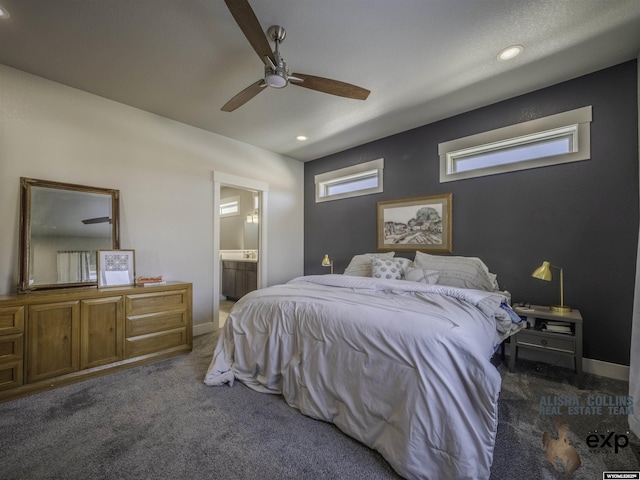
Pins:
x: 607, y: 442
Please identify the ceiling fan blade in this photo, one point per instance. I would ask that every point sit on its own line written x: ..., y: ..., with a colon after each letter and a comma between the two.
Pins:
x: 244, y: 96
x: 90, y: 221
x: 333, y: 87
x: 250, y: 26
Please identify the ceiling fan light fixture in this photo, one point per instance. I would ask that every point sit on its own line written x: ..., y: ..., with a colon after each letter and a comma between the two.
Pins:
x: 275, y: 81
x: 510, y: 52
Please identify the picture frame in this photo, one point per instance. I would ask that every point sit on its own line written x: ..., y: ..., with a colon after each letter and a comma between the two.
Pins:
x: 420, y: 223
x: 116, y: 268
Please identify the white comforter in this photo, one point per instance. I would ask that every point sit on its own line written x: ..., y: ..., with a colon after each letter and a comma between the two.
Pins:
x: 401, y: 366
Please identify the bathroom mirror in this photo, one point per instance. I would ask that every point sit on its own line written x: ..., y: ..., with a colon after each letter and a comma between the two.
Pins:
x: 62, y: 226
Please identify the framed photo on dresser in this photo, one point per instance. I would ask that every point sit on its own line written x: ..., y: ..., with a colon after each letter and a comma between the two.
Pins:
x: 116, y: 268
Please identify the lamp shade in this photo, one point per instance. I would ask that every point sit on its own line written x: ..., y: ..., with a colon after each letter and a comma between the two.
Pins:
x: 543, y: 272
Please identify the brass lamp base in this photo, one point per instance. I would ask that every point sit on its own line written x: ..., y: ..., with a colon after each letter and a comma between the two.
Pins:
x: 560, y: 308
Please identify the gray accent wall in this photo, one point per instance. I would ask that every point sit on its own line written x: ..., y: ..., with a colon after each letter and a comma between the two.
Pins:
x: 582, y: 216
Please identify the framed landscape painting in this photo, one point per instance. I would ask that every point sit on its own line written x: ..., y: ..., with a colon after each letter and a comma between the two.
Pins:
x: 422, y: 223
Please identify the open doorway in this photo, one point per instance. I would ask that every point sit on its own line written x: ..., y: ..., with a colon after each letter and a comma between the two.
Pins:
x: 240, y: 247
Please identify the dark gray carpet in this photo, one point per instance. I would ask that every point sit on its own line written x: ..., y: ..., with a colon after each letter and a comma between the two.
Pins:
x: 160, y: 422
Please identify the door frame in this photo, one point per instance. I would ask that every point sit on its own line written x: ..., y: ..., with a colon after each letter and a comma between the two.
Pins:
x: 221, y: 179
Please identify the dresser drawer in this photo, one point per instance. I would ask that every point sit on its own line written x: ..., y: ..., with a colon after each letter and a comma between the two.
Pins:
x: 155, y: 322
x: 543, y: 340
x: 155, y: 342
x: 11, y: 319
x: 11, y: 347
x: 156, y: 302
x: 10, y: 375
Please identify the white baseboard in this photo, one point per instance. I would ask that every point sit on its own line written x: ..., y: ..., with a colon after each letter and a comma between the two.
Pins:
x: 589, y: 365
x: 606, y: 369
x: 203, y: 328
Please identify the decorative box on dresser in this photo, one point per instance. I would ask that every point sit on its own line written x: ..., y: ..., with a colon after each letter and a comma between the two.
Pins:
x: 51, y: 338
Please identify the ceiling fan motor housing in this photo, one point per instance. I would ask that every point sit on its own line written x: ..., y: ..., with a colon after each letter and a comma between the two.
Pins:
x: 276, y: 76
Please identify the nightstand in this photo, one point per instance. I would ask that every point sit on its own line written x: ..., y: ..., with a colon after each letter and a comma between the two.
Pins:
x: 569, y: 344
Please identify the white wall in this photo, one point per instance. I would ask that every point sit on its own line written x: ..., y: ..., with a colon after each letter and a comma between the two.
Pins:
x: 162, y: 168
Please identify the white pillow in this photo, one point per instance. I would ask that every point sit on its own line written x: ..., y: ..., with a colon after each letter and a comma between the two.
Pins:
x: 460, y: 272
x: 386, y: 268
x: 360, y: 265
x: 429, y: 277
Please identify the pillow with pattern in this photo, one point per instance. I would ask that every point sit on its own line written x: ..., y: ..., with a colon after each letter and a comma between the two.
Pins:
x: 360, y: 265
x: 387, y: 268
x: 430, y: 277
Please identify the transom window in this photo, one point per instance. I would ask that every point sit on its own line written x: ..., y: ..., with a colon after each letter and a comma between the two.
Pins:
x: 361, y: 179
x: 551, y: 140
x: 230, y: 206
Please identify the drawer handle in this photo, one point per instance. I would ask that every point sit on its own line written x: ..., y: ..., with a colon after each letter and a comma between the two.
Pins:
x: 543, y: 342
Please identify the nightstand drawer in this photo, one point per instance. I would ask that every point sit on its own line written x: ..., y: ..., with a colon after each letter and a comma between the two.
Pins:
x: 544, y: 340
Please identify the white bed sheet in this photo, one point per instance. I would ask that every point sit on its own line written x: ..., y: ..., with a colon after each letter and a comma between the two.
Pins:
x: 401, y: 366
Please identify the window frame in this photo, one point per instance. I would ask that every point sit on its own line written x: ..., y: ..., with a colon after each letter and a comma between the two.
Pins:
x: 575, y: 124
x: 324, y: 181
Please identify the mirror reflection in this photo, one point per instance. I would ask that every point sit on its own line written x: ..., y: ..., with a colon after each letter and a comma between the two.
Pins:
x: 63, y: 227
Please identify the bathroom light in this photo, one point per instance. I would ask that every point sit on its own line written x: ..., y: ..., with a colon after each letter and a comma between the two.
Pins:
x: 252, y: 217
x: 301, y: 138
x: 510, y: 52
x: 4, y: 13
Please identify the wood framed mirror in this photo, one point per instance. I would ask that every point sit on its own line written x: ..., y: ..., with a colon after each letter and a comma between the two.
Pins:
x: 62, y: 226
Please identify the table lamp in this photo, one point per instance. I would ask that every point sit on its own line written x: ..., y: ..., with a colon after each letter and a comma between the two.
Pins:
x: 327, y: 262
x: 543, y: 272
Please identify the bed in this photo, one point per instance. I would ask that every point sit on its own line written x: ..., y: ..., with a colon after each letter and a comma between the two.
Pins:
x: 401, y: 365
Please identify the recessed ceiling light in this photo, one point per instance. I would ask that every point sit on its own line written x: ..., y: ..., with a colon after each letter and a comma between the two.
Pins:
x: 510, y: 52
x: 301, y: 138
x: 4, y: 13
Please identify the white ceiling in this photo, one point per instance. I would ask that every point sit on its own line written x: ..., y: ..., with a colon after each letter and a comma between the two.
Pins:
x: 423, y: 60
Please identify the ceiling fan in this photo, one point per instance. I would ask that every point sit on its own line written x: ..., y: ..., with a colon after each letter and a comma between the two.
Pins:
x: 276, y: 73
x: 91, y: 221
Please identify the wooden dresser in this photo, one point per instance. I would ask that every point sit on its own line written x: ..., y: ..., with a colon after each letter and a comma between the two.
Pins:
x: 52, y: 338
